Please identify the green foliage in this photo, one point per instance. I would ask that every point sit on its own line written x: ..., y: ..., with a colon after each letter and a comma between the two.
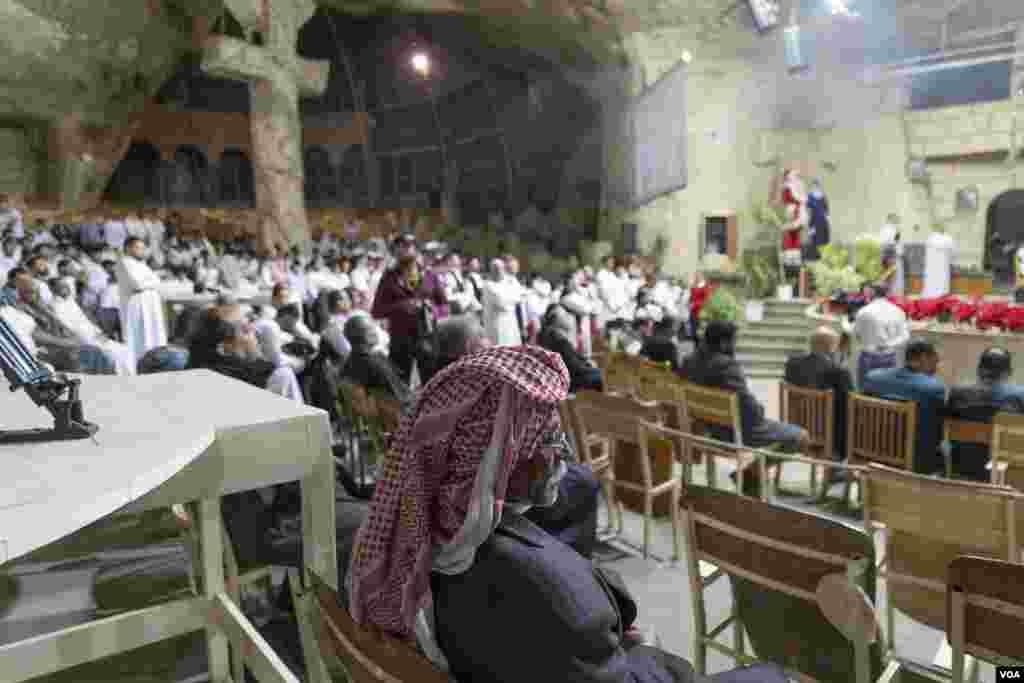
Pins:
x: 762, y: 275
x: 832, y: 271
x: 867, y: 258
x: 722, y: 305
x: 768, y: 215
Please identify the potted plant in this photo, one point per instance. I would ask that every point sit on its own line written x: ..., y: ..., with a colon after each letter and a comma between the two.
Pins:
x: 834, y: 277
x: 761, y: 283
x: 773, y: 220
x: 722, y: 305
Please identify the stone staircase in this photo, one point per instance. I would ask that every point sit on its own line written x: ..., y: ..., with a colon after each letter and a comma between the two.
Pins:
x: 763, y: 347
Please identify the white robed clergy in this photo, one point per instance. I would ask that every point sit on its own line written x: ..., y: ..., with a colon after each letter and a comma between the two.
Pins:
x: 74, y: 318
x: 501, y: 295
x: 613, y: 290
x: 142, y: 311
x: 938, y: 264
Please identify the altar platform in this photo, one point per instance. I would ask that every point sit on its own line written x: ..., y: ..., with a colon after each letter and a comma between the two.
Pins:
x: 168, y: 438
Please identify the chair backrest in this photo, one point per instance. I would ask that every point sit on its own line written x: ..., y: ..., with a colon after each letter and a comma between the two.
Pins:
x: 928, y: 523
x: 617, y: 417
x: 985, y: 608
x: 881, y: 431
x: 618, y: 371
x: 369, y: 657
x: 1008, y: 447
x: 967, y: 431
x: 706, y: 406
x: 777, y: 559
x: 812, y: 409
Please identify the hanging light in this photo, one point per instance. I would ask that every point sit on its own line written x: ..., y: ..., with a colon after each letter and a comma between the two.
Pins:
x: 420, y: 63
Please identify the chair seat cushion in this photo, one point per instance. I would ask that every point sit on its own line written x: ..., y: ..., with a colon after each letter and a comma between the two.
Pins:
x: 759, y: 673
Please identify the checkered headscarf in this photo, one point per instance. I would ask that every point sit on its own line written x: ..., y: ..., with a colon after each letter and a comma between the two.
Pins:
x: 456, y: 457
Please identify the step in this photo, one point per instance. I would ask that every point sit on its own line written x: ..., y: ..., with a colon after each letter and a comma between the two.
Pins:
x: 793, y: 339
x: 767, y: 345
x: 762, y: 359
x: 763, y: 373
x: 781, y: 330
x: 770, y: 315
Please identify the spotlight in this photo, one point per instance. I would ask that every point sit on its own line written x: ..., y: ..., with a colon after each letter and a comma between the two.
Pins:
x: 421, y: 63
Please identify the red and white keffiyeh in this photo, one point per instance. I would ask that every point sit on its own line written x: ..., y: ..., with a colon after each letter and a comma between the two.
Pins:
x: 455, y: 457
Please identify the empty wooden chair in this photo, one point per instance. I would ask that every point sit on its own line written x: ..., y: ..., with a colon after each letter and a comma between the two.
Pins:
x: 782, y: 561
x: 618, y: 373
x: 1008, y: 450
x: 814, y: 410
x: 880, y: 431
x: 594, y: 451
x: 617, y: 419
x: 928, y: 522
x: 985, y: 603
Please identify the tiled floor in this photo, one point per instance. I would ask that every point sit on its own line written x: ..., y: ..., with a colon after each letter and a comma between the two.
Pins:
x: 60, y: 597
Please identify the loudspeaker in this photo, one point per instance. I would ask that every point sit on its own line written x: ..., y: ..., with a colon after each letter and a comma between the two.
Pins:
x: 795, y: 60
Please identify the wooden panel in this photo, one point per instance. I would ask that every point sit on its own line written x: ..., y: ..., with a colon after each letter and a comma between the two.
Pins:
x: 614, y: 416
x: 881, y: 431
x: 971, y: 286
x: 628, y: 468
x: 991, y: 629
x: 711, y: 406
x: 968, y: 432
x: 774, y: 524
x: 813, y: 410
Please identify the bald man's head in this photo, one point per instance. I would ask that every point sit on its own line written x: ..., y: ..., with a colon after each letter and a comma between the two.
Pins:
x: 824, y: 340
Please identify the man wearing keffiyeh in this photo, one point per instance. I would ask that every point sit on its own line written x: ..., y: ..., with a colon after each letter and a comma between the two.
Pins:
x: 445, y: 549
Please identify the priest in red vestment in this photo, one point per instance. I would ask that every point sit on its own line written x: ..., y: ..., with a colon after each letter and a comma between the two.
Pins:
x: 700, y: 292
x: 794, y: 199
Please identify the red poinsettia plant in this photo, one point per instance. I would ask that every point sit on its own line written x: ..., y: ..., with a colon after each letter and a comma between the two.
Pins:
x: 954, y: 309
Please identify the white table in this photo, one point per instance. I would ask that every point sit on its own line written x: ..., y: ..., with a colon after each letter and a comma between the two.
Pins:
x: 165, y: 438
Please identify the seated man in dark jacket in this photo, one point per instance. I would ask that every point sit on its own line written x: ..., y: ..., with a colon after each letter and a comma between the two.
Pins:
x: 445, y: 548
x: 819, y: 370
x: 573, y: 517
x: 663, y: 345
x: 714, y: 365
x: 916, y: 381
x: 556, y: 334
x: 979, y: 403
x: 368, y: 368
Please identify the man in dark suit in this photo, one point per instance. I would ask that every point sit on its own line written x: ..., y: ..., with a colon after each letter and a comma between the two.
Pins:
x: 714, y: 365
x: 368, y: 368
x: 979, y: 403
x: 819, y: 370
x: 916, y: 381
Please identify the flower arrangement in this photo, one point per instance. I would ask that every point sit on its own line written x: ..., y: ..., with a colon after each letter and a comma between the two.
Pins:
x: 833, y: 273
x: 722, y: 305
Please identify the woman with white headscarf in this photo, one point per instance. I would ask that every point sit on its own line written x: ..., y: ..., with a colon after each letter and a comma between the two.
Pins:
x: 447, y: 558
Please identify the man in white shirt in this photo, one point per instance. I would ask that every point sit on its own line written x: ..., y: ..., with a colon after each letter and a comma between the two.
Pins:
x: 11, y: 217
x: 883, y: 329
x: 892, y: 247
x: 613, y: 291
x: 8, y: 257
x: 39, y: 268
x: 142, y: 309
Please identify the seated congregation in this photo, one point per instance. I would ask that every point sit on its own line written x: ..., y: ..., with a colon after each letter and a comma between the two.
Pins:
x: 477, y: 426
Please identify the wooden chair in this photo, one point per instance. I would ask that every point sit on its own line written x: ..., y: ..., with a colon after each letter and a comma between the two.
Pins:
x: 880, y: 431
x: 964, y: 431
x: 594, y: 451
x: 367, y: 657
x: 618, y: 373
x: 985, y: 608
x: 1008, y: 450
x: 814, y: 410
x: 617, y: 419
x: 928, y: 522
x: 816, y: 570
x: 656, y: 383
x: 707, y: 407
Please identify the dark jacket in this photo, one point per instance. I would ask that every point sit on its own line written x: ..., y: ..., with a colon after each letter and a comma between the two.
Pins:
x: 550, y: 615
x: 374, y: 371
x: 582, y: 374
x: 663, y: 349
x: 254, y: 371
x: 396, y: 301
x: 720, y: 371
x: 818, y: 371
x: 980, y: 403
x: 903, y: 384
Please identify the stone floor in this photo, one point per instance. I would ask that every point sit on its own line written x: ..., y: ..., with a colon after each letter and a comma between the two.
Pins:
x: 53, y: 597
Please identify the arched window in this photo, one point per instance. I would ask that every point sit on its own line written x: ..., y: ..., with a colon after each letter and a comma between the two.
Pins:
x: 235, y: 179
x: 135, y: 179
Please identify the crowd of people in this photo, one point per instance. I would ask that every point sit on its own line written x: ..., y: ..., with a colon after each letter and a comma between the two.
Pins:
x: 479, y: 487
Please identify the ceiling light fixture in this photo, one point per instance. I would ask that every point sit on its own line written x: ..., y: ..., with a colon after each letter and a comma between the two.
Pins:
x: 421, y: 63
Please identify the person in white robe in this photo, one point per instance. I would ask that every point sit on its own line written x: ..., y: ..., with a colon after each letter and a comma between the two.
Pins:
x: 538, y: 299
x: 87, y: 332
x: 576, y: 300
x: 938, y: 265
x: 11, y: 218
x: 457, y: 289
x: 501, y: 295
x: 613, y: 292
x: 142, y: 308
x: 8, y: 258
